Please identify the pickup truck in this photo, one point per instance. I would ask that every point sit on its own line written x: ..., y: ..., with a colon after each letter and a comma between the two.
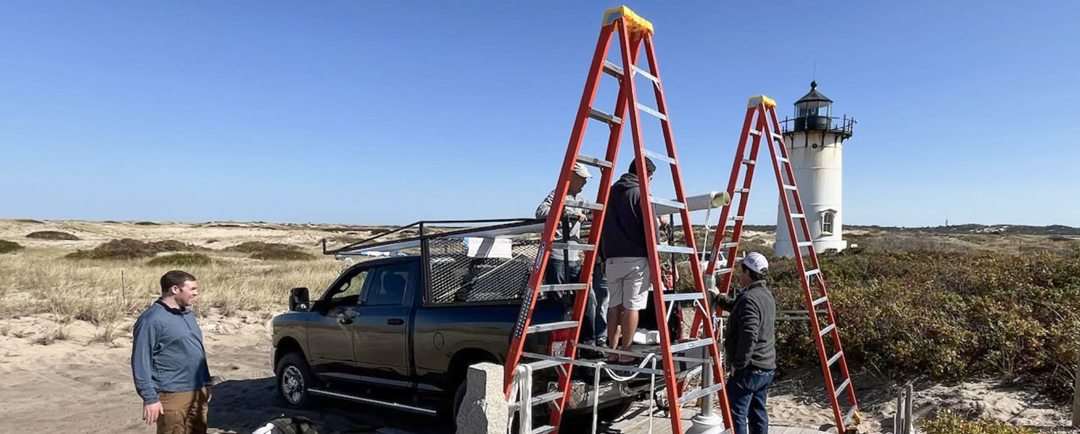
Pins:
x: 401, y: 332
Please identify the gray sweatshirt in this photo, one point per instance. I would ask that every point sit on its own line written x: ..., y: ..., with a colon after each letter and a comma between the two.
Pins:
x: 570, y: 214
x: 167, y: 354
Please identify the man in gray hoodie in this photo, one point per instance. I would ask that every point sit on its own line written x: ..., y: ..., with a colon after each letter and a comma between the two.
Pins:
x: 750, y: 344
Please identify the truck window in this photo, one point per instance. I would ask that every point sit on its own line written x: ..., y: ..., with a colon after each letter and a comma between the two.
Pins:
x: 388, y: 284
x: 348, y: 293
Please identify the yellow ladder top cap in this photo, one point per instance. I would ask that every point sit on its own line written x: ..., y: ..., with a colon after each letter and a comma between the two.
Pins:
x: 634, y: 22
x: 769, y: 102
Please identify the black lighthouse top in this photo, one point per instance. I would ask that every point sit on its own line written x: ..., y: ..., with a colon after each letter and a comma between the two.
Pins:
x: 813, y: 112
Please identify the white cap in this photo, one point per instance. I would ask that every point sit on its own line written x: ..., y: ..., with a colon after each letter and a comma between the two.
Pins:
x: 756, y: 262
x: 582, y: 171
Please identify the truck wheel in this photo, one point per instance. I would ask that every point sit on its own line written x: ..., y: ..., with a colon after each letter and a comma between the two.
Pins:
x: 459, y: 396
x: 294, y: 378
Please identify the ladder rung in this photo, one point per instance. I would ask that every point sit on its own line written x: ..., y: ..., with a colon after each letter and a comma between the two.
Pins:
x: 678, y: 348
x: 813, y: 272
x: 543, y: 364
x: 742, y: 191
x: 779, y: 137
x: 613, y: 69
x: 843, y: 385
x: 723, y: 271
x: 798, y: 216
x: 828, y: 329
x: 561, y: 325
x: 790, y: 187
x: 651, y: 111
x: 755, y: 132
x: 642, y: 73
x: 805, y: 243
x: 545, y: 398
x: 543, y: 430
x: 783, y: 160
x: 736, y: 218
x: 833, y: 359
x: 601, y: 116
x: 684, y: 296
x: 748, y: 162
x: 595, y: 162
x: 819, y: 301
x: 583, y: 204
x: 659, y: 156
x: 667, y: 202
x: 698, y: 393
x: 674, y: 249
x: 728, y: 245
x: 572, y: 246
x: 563, y: 287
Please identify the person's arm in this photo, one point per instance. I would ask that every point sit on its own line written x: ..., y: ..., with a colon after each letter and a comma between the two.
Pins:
x: 749, y: 326
x: 142, y: 364
x: 726, y: 303
x: 545, y: 206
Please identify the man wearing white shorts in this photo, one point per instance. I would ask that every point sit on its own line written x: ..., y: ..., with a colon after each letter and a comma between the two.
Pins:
x: 623, y: 245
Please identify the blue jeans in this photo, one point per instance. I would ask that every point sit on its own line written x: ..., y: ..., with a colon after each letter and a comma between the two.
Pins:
x: 560, y: 271
x: 597, y: 307
x: 747, y: 391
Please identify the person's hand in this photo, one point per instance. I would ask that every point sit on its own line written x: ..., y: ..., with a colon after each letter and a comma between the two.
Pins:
x: 582, y: 217
x: 150, y: 412
x: 209, y: 394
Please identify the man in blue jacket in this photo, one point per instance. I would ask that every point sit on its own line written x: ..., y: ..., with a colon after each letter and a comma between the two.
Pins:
x: 168, y: 361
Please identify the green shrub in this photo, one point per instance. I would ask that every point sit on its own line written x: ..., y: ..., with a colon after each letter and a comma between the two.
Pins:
x: 52, y: 235
x: 9, y: 247
x: 944, y: 315
x: 282, y: 255
x: 131, y: 249
x: 181, y: 260
x: 950, y: 423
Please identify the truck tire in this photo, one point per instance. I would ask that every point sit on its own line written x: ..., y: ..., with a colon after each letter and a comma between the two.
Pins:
x: 294, y: 379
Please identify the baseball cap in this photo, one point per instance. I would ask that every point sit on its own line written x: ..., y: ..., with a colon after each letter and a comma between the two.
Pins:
x: 581, y: 170
x: 756, y: 262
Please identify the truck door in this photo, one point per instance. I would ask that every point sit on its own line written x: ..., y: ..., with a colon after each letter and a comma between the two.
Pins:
x: 330, y: 330
x: 382, y: 327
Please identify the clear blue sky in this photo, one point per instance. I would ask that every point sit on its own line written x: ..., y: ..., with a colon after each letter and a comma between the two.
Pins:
x: 389, y: 112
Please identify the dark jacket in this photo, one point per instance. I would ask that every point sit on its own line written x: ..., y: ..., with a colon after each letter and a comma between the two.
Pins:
x: 624, y: 229
x: 750, y: 335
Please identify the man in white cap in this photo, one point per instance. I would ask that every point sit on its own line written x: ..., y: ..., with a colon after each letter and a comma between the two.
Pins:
x: 750, y: 344
x: 564, y: 266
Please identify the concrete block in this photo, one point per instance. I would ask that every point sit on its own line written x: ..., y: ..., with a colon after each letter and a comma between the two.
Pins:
x: 484, y: 409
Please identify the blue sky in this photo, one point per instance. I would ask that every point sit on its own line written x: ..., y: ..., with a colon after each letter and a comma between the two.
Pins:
x: 389, y: 112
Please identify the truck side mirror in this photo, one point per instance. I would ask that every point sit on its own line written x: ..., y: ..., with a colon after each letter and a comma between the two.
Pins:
x: 298, y: 299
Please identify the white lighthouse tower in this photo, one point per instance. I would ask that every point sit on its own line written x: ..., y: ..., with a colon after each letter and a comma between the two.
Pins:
x: 814, y: 141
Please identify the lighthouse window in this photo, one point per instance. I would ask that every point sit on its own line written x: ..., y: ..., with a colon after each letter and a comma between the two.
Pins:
x: 827, y: 219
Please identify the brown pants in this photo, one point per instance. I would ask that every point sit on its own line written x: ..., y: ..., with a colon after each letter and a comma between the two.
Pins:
x: 185, y: 412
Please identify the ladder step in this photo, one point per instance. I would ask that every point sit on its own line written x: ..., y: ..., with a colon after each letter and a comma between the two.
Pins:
x: 659, y: 156
x: 813, y: 272
x: 828, y: 329
x: 728, y: 245
x: 678, y: 348
x: 572, y: 246
x: 684, y: 296
x: 604, y: 117
x: 742, y: 191
x: 755, y: 132
x: 595, y: 162
x: 583, y: 204
x: 843, y: 385
x: 790, y: 187
x: 543, y: 430
x: 545, y: 398
x: 651, y: 111
x: 798, y: 216
x: 818, y: 301
x: 723, y: 271
x: 563, y: 287
x: 613, y: 69
x: 748, y: 162
x: 561, y: 325
x: 806, y: 243
x: 674, y: 249
x: 543, y: 364
x: 833, y: 359
x: 698, y: 393
x: 783, y: 160
x: 641, y: 72
x: 667, y: 202
x: 777, y: 137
